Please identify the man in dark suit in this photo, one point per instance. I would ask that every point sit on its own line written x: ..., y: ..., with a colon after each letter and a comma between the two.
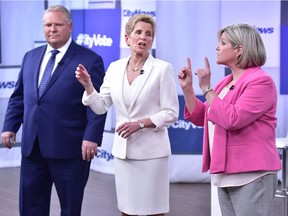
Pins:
x: 59, y: 134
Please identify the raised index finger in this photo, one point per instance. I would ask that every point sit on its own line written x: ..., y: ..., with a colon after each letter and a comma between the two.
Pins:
x: 188, y: 63
x: 207, y: 65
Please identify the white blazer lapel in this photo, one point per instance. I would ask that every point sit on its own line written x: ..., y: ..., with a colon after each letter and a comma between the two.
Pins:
x: 147, y: 68
x: 119, y: 82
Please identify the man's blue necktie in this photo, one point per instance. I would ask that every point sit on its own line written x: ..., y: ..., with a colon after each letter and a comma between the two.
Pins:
x: 47, y: 72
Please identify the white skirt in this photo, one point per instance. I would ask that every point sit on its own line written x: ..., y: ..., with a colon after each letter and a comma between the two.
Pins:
x: 142, y: 186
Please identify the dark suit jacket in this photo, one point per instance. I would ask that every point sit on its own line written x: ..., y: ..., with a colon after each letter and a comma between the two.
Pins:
x: 58, y: 118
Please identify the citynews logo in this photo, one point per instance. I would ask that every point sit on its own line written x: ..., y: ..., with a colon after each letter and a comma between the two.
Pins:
x: 129, y: 13
x: 269, y: 30
x: 103, y: 154
x: 94, y: 40
x: 7, y: 85
x: 182, y: 124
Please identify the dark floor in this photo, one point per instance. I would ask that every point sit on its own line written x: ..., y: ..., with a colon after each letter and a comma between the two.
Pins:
x: 190, y: 199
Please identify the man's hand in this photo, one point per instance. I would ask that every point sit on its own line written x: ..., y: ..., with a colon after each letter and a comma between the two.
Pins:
x: 89, y: 150
x: 8, y: 138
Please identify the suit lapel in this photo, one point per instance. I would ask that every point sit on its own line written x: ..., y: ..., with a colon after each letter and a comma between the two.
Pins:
x: 119, y: 82
x: 148, y: 66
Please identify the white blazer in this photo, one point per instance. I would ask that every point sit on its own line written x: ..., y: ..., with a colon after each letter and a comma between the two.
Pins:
x: 155, y: 98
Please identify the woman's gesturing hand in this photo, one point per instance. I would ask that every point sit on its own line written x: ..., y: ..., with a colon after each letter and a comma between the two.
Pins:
x: 83, y: 77
x: 204, y: 75
x: 185, y: 76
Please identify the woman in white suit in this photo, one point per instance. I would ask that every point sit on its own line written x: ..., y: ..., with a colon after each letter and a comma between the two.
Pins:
x: 143, y: 91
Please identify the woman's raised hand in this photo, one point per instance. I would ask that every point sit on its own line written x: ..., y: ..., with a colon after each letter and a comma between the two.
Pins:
x: 185, y: 76
x: 83, y: 77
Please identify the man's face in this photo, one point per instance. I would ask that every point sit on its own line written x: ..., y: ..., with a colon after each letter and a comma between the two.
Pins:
x: 57, y: 30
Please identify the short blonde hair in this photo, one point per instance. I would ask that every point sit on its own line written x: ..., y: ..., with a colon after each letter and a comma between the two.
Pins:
x: 253, y: 53
x: 130, y: 25
x: 62, y: 9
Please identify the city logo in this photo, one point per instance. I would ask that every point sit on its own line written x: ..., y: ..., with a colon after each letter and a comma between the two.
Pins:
x: 7, y: 85
x: 129, y: 13
x: 182, y: 124
x: 268, y: 30
x: 94, y: 40
x: 103, y: 154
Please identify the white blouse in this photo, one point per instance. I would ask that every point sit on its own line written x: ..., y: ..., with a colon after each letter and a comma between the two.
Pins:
x: 129, y: 90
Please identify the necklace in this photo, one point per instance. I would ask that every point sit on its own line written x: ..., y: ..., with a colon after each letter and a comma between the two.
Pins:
x: 137, y: 68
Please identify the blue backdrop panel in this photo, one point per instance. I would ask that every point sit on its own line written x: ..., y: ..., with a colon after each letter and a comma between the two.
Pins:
x: 98, y: 30
x: 283, y: 60
x: 185, y: 137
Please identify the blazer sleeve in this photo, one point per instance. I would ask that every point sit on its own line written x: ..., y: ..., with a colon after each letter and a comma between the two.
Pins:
x: 100, y: 100
x: 15, y: 108
x: 197, y: 117
x: 169, y: 105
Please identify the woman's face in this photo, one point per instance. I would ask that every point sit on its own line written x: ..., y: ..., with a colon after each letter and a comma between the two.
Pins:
x: 141, y: 38
x: 226, y: 54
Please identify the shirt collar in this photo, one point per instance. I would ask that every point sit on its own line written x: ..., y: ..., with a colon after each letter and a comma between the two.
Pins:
x: 62, y: 49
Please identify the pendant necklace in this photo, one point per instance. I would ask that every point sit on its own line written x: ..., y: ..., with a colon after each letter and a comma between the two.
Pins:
x: 137, y: 68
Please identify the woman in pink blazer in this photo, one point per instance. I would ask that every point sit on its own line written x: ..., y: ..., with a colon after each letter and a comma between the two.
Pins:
x: 143, y: 92
x: 239, y: 123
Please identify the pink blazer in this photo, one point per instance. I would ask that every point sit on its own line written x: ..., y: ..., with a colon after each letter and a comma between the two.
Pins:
x: 245, y: 123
